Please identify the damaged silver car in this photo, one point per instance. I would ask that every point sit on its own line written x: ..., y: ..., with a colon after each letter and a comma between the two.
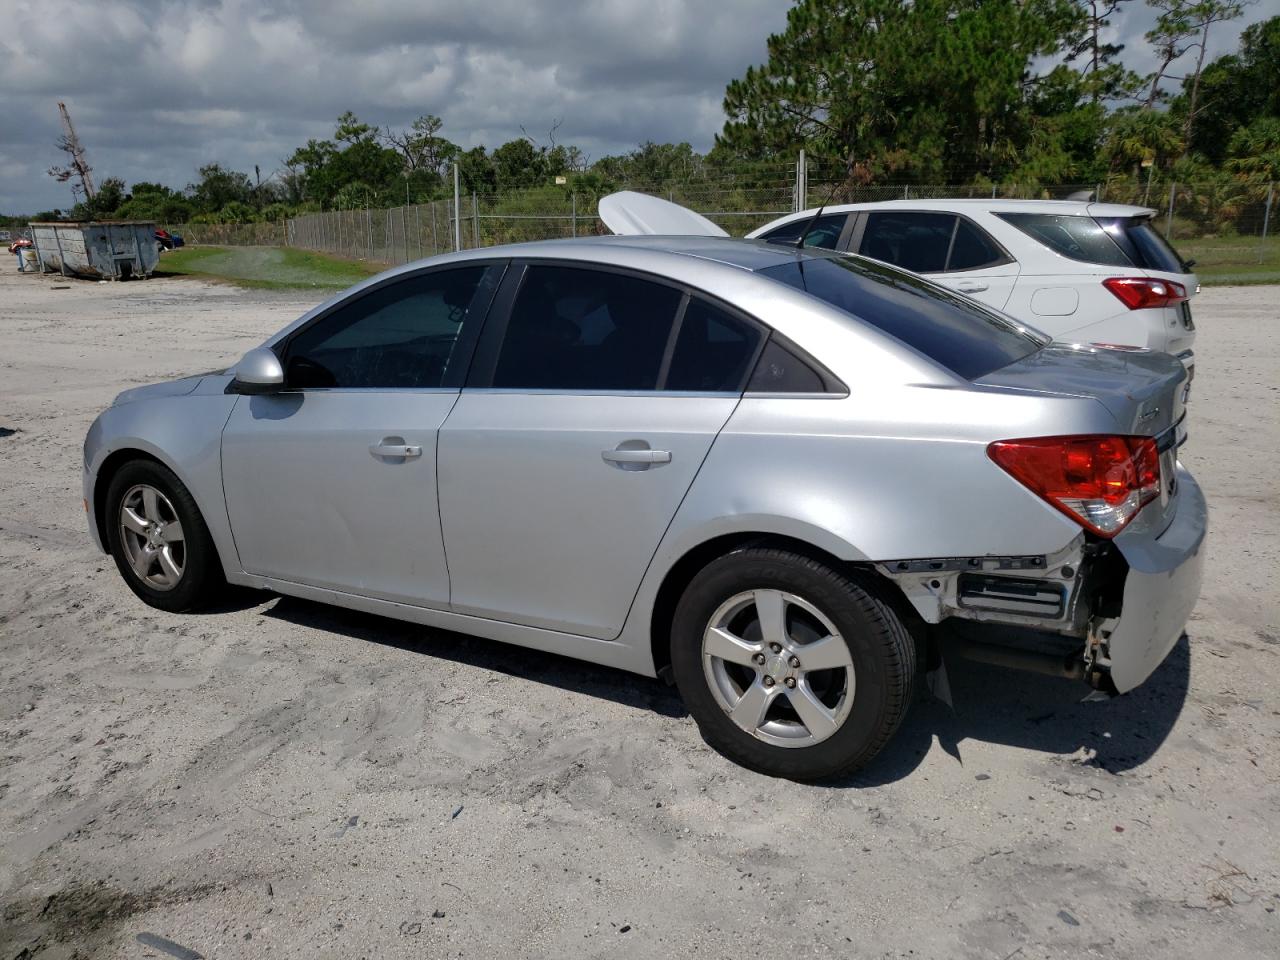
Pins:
x: 765, y: 472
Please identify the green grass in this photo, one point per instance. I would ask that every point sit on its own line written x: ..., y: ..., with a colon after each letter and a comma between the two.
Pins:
x: 1219, y: 261
x: 272, y: 268
x: 1233, y: 260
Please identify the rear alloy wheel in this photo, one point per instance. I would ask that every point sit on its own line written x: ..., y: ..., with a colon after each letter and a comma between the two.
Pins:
x: 158, y: 538
x: 788, y: 666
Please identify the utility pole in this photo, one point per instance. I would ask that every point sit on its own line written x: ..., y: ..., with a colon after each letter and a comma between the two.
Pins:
x: 79, y: 162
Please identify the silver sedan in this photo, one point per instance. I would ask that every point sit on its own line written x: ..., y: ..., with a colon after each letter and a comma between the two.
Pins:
x: 790, y: 482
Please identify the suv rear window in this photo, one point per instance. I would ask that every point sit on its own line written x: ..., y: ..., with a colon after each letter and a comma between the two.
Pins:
x: 1078, y: 237
x: 951, y: 330
x: 1110, y: 241
x: 1142, y: 243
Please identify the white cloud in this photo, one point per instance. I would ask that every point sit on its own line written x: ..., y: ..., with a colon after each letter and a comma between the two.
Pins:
x: 157, y: 87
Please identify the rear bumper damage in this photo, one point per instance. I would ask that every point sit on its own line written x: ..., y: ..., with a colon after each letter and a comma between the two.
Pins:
x: 1106, y: 611
x: 1160, y: 590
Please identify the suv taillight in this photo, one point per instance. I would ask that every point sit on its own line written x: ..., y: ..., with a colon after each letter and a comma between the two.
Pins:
x: 1137, y: 293
x: 1101, y: 482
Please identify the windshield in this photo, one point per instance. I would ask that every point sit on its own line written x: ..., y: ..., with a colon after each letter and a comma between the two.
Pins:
x: 958, y: 333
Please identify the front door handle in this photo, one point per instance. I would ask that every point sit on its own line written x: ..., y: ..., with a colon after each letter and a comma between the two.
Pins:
x: 971, y: 286
x: 635, y: 455
x: 401, y: 450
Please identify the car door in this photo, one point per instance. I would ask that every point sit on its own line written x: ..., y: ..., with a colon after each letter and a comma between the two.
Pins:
x: 596, y: 395
x: 332, y: 481
x: 950, y: 250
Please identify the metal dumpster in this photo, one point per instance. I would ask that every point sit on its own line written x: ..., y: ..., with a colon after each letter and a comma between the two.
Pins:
x: 108, y: 249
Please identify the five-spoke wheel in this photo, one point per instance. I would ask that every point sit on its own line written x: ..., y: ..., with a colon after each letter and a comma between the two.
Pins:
x: 158, y: 538
x: 152, y: 536
x: 778, y: 667
x: 791, y: 666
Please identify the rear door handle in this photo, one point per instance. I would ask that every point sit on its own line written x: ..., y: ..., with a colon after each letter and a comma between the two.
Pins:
x: 637, y: 456
x: 971, y: 286
x: 400, y: 450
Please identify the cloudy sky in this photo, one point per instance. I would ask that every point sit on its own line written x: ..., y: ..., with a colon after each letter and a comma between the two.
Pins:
x: 157, y: 87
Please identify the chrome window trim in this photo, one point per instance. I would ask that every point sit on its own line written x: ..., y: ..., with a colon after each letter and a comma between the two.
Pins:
x: 545, y: 392
x: 768, y: 395
x: 399, y: 390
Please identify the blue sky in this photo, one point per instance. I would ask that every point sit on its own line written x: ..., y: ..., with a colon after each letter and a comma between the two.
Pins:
x: 157, y: 87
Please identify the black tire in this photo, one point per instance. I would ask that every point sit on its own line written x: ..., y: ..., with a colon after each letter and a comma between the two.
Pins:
x: 201, y: 579
x: 882, y: 653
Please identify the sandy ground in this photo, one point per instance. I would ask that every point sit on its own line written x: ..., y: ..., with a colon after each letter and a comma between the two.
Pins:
x: 277, y: 778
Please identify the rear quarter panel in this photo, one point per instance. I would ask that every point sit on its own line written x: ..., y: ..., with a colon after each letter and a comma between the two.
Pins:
x: 884, y: 477
x: 880, y: 475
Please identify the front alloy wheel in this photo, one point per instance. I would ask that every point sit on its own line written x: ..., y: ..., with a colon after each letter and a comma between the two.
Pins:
x: 158, y: 538
x: 152, y: 537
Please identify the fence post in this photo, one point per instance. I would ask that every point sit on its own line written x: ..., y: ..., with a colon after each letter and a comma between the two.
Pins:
x: 475, y: 220
x: 1266, y: 220
x: 457, y: 209
x: 801, y: 199
x: 573, y: 212
x: 1168, y: 224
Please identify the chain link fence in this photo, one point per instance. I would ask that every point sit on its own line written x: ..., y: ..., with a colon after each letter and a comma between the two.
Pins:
x: 269, y: 233
x: 1227, y: 223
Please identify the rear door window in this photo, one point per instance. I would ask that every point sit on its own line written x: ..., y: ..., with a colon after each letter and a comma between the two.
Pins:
x: 951, y: 330
x: 1078, y: 237
x: 576, y: 329
x: 915, y: 241
x: 824, y: 233
x: 972, y: 249
x: 713, y: 351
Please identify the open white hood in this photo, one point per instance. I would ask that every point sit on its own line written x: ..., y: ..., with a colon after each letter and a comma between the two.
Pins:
x: 628, y: 213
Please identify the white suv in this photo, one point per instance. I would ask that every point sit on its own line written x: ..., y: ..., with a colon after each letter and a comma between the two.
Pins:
x: 1081, y: 272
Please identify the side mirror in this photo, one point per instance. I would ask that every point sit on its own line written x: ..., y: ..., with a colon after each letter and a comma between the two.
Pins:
x: 258, y: 371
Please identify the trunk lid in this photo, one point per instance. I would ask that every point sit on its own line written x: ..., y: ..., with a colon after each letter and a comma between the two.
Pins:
x: 1145, y: 391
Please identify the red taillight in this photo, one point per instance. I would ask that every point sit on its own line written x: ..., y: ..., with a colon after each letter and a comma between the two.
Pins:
x: 1100, y: 482
x: 1137, y: 293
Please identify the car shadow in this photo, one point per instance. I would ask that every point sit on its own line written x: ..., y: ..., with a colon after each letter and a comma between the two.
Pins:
x: 574, y: 676
x: 1034, y: 712
x: 991, y: 704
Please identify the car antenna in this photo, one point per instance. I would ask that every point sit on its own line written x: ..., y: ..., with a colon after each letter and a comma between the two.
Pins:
x: 814, y: 219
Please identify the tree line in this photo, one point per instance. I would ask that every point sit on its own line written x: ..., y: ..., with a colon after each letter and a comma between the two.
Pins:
x: 952, y: 92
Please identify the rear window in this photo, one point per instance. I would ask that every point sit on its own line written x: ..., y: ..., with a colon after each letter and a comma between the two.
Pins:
x: 1078, y: 237
x: 951, y: 330
x: 1143, y: 244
